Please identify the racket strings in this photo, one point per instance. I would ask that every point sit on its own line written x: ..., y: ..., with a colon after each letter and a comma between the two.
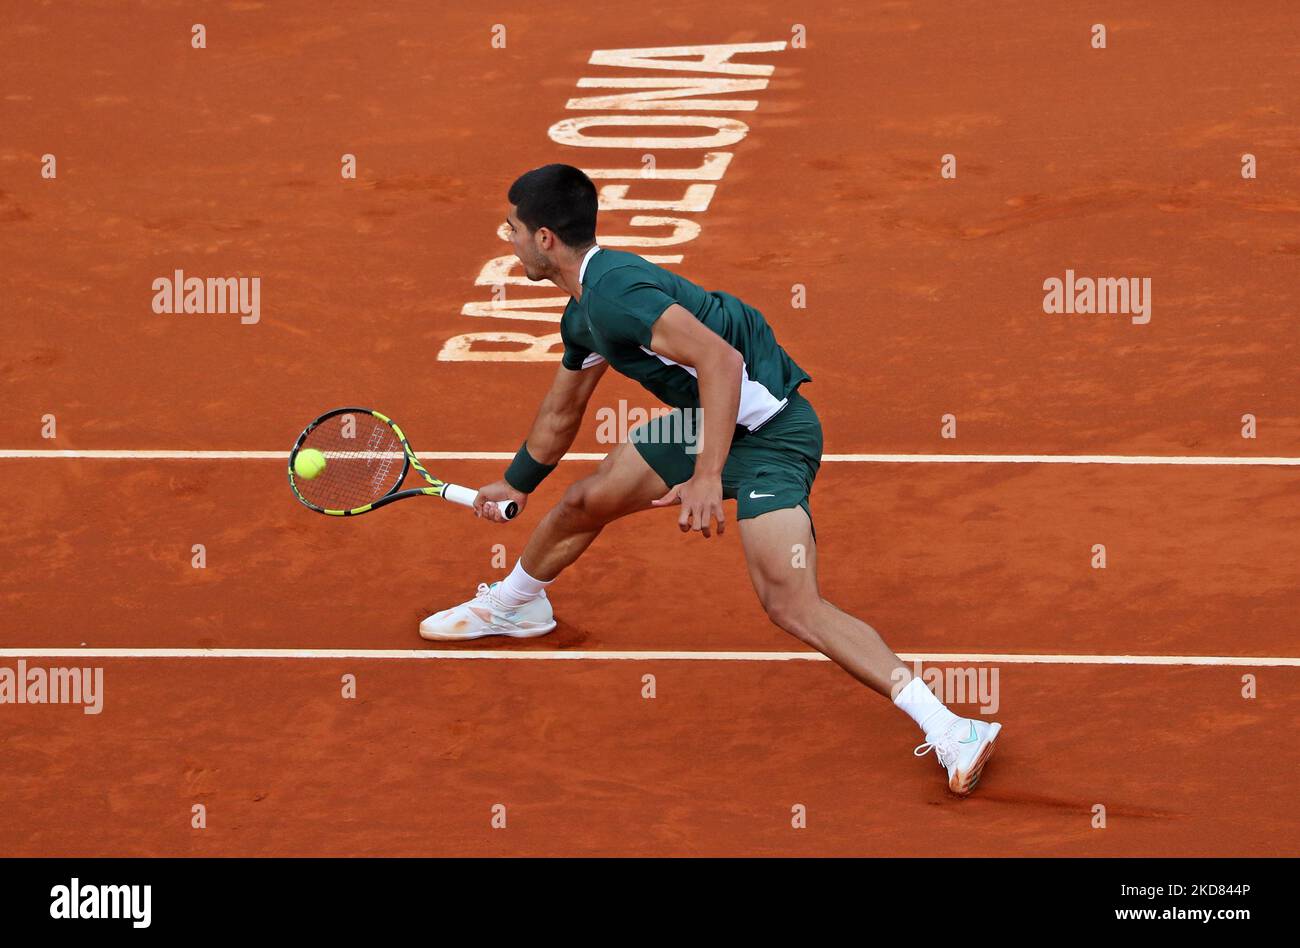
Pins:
x: 364, y: 460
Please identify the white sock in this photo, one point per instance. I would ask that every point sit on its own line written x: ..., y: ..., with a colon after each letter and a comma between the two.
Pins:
x: 519, y: 589
x: 919, y: 703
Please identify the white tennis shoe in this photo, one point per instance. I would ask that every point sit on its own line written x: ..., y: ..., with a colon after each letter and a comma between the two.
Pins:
x: 963, y: 748
x: 483, y: 615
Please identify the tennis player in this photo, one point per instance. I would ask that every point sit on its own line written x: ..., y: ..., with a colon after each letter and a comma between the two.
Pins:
x: 740, y: 428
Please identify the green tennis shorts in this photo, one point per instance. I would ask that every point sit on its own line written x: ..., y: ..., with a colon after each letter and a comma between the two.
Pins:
x: 769, y: 469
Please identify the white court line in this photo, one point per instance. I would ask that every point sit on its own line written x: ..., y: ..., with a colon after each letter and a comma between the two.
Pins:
x: 649, y: 656
x: 1202, y: 460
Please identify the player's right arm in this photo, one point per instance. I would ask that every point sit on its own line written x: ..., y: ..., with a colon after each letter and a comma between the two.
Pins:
x: 554, y: 429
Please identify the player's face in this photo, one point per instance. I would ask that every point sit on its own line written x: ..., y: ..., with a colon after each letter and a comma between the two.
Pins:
x: 525, y: 245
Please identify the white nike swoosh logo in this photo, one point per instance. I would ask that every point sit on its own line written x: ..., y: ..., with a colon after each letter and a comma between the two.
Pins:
x: 753, y: 496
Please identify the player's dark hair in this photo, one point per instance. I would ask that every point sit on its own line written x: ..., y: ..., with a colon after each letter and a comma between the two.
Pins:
x: 559, y: 197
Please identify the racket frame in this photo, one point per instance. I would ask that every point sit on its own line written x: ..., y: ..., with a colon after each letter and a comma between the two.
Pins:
x: 436, y: 488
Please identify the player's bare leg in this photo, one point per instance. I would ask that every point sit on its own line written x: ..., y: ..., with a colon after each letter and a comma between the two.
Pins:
x: 782, y: 559
x: 518, y: 607
x: 623, y: 483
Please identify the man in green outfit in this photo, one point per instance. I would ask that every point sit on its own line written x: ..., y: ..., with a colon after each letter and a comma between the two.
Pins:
x: 739, y: 429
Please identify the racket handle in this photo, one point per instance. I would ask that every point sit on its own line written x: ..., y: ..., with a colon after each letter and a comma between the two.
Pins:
x: 465, y: 497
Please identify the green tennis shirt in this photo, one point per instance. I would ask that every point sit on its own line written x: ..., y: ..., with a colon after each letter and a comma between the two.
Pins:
x: 622, y: 297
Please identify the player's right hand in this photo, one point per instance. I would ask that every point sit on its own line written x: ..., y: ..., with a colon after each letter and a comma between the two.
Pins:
x: 499, y: 491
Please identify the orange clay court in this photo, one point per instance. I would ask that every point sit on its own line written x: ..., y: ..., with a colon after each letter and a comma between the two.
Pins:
x: 1160, y: 687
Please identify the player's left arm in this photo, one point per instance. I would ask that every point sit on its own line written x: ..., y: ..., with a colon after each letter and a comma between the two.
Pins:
x: 719, y: 368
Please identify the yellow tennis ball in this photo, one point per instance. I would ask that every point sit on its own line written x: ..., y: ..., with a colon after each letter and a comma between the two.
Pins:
x: 309, y: 463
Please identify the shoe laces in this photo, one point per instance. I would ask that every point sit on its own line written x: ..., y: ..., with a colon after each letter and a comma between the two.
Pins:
x: 484, y: 595
x: 944, y: 746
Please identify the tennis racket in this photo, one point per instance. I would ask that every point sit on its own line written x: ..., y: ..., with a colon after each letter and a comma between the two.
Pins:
x: 367, y: 457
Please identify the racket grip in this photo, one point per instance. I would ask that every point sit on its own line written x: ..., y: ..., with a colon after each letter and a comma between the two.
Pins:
x: 465, y: 497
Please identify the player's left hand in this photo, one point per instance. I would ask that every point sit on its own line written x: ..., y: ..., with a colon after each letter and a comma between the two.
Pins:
x: 701, y: 500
